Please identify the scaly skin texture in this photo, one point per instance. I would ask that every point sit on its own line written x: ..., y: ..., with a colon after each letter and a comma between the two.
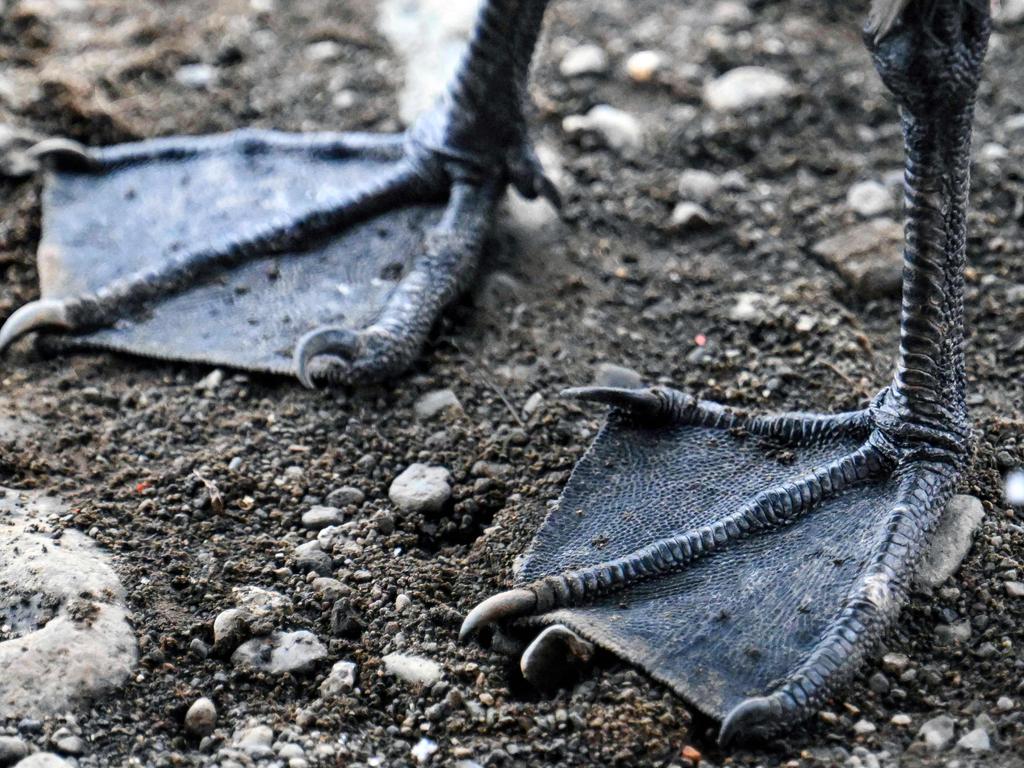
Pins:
x: 804, y: 562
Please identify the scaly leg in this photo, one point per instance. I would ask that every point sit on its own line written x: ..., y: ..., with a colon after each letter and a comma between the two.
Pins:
x: 751, y: 562
x: 329, y: 255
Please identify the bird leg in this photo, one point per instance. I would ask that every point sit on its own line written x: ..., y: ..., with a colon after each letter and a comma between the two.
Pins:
x: 751, y: 562
x: 328, y: 256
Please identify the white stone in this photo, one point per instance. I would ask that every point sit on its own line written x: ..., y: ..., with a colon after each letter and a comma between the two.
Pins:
x: 901, y: 720
x: 1014, y: 588
x: 864, y: 727
x: 43, y: 760
x: 84, y: 646
x: 1009, y: 12
x: 938, y: 732
x: 619, y: 130
x: 869, y: 199
x: 281, y: 652
x: 533, y: 403
x: 642, y: 66
x: 1005, y: 704
x: 433, y: 403
x: 584, y: 60
x: 341, y: 678
x: 949, y: 544
x: 612, y: 375
x: 319, y: 516
x: 255, y: 741
x: 230, y: 627
x: 1015, y: 488
x: 415, y: 670
x: 746, y: 87
x: 201, y: 717
x: 421, y: 488
x: 687, y: 215
x: 324, y: 50
x: 423, y: 750
x: 699, y: 186
x: 975, y: 741
x: 197, y: 76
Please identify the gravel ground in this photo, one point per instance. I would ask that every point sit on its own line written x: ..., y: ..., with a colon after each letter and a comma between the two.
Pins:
x: 197, y: 482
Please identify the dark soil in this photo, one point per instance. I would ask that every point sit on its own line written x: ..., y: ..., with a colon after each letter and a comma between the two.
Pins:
x: 122, y: 439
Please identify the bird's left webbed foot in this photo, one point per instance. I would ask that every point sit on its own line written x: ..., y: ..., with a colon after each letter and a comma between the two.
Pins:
x: 747, y: 562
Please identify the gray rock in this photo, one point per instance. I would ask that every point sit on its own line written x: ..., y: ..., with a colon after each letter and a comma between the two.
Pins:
x: 555, y: 655
x: 43, y: 760
x: 64, y: 605
x: 342, y: 678
x: 869, y: 199
x: 415, y: 670
x: 323, y: 50
x: 533, y: 404
x: 896, y: 663
x: 421, y: 488
x: 619, y: 130
x: 868, y: 256
x: 310, y: 557
x: 746, y: 87
x: 12, y: 749
x: 950, y: 542
x: 319, y: 516
x: 435, y: 402
x: 201, y: 717
x: 975, y: 741
x: 345, y: 496
x: 230, y: 628
x: 281, y: 652
x: 1005, y: 704
x: 67, y: 743
x: 937, y: 733
x: 584, y: 60
x: 1014, y: 588
x: 611, y: 375
x: 699, y: 186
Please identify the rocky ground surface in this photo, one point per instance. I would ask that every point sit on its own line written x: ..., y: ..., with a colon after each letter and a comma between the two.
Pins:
x: 295, y: 564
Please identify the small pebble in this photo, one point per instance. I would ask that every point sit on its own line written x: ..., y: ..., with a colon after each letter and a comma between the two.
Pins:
x: 1005, y: 704
x: 699, y: 186
x: 869, y: 199
x: 746, y: 87
x: 611, y: 375
x: 423, y: 750
x: 345, y: 496
x: 584, y: 60
x: 12, y: 749
x: 421, y: 488
x: 687, y: 215
x: 43, y: 760
x: 1014, y: 588
x: 201, y: 717
x: 281, y: 652
x: 439, y: 401
x: 976, y: 740
x: 619, y: 130
x: 642, y: 66
x: 197, y: 76
x: 937, y: 733
x: 415, y: 670
x: 864, y: 727
x: 901, y: 720
x: 319, y: 516
x: 342, y: 678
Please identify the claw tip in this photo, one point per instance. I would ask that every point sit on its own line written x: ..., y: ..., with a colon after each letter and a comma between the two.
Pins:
x: 505, y: 605
x: 752, y: 717
x: 34, y: 315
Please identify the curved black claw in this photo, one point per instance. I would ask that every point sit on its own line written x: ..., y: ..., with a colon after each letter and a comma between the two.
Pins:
x: 34, y: 316
x: 497, y: 608
x: 338, y: 342
x: 640, y: 401
x: 754, y: 718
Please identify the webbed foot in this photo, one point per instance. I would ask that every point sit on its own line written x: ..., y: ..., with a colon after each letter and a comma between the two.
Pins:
x: 328, y: 256
x: 751, y: 562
